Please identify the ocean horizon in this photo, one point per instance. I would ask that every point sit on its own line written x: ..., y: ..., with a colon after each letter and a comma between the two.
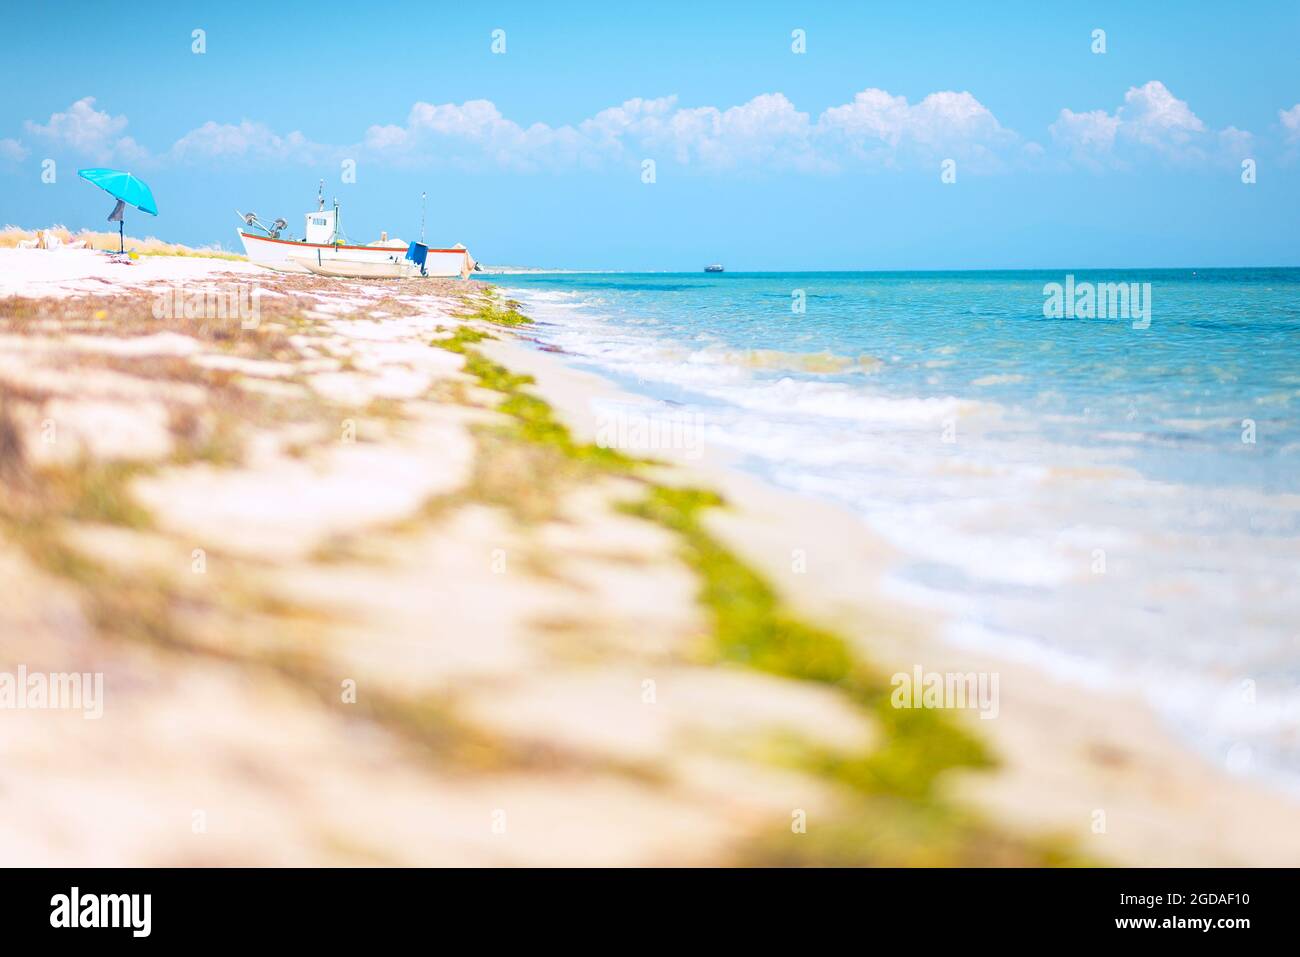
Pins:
x: 1028, y: 270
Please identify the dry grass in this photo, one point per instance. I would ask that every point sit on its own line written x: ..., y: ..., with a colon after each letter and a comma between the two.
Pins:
x: 11, y: 236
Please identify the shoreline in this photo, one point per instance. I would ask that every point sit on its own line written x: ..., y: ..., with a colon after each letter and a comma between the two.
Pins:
x: 1008, y: 532
x: 1070, y: 750
x: 318, y: 580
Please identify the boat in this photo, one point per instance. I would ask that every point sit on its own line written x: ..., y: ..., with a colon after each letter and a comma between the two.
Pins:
x: 396, y: 267
x: 716, y: 267
x: 325, y: 247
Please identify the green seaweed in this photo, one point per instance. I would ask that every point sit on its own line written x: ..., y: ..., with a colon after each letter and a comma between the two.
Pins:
x: 463, y: 336
x: 487, y: 310
x: 533, y: 418
x: 751, y: 627
x: 901, y: 815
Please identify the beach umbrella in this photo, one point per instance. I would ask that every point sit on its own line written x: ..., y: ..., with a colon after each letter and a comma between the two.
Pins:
x: 127, y: 190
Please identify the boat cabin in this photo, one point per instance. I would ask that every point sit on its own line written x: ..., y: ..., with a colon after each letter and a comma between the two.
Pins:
x: 322, y: 226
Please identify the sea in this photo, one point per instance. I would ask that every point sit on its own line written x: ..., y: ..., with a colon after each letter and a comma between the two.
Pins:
x: 1095, y: 472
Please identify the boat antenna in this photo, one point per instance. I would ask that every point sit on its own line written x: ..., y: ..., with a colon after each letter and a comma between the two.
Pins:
x: 422, y: 196
x: 320, y: 197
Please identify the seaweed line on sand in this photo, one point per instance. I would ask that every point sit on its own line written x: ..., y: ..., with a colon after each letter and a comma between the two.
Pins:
x: 898, y: 813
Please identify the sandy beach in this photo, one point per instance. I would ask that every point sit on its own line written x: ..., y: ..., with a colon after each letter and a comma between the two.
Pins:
x: 361, y: 593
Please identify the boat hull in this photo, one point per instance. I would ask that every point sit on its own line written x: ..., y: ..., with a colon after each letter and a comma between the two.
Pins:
x: 285, y: 255
x: 358, y: 269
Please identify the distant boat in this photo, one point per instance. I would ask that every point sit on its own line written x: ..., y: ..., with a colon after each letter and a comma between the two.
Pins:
x: 716, y: 267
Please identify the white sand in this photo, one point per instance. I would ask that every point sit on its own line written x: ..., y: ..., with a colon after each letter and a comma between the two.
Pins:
x: 70, y: 272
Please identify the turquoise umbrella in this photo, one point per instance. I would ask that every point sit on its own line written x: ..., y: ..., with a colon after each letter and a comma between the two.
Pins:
x: 126, y: 189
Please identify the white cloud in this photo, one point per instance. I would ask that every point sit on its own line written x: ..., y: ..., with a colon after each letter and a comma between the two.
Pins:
x: 874, y: 130
x: 12, y: 151
x: 244, y: 140
x: 469, y: 133
x: 1290, y: 120
x: 476, y: 131
x: 886, y: 129
x: 1234, y: 144
x: 1151, y: 122
x: 1093, y: 132
x: 387, y: 137
x: 90, y: 132
x: 767, y: 132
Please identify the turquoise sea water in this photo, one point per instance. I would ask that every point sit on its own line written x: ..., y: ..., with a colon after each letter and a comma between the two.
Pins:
x: 1115, y: 499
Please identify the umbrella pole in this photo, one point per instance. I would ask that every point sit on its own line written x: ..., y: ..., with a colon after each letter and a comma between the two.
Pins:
x: 121, y: 242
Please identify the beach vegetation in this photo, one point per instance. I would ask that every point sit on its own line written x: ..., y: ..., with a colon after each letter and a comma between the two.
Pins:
x: 458, y: 340
x: 533, y: 419
x: 486, y: 308
x: 12, y: 236
x: 751, y: 627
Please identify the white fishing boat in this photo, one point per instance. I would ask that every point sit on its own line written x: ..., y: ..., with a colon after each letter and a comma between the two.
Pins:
x: 324, y: 250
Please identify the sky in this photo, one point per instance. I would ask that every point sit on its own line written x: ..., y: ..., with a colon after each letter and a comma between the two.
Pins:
x: 766, y: 136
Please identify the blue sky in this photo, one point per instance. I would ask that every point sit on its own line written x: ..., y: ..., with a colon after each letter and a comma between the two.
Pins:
x: 763, y: 158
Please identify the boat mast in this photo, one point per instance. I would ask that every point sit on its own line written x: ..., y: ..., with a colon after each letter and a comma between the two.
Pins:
x: 422, y: 196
